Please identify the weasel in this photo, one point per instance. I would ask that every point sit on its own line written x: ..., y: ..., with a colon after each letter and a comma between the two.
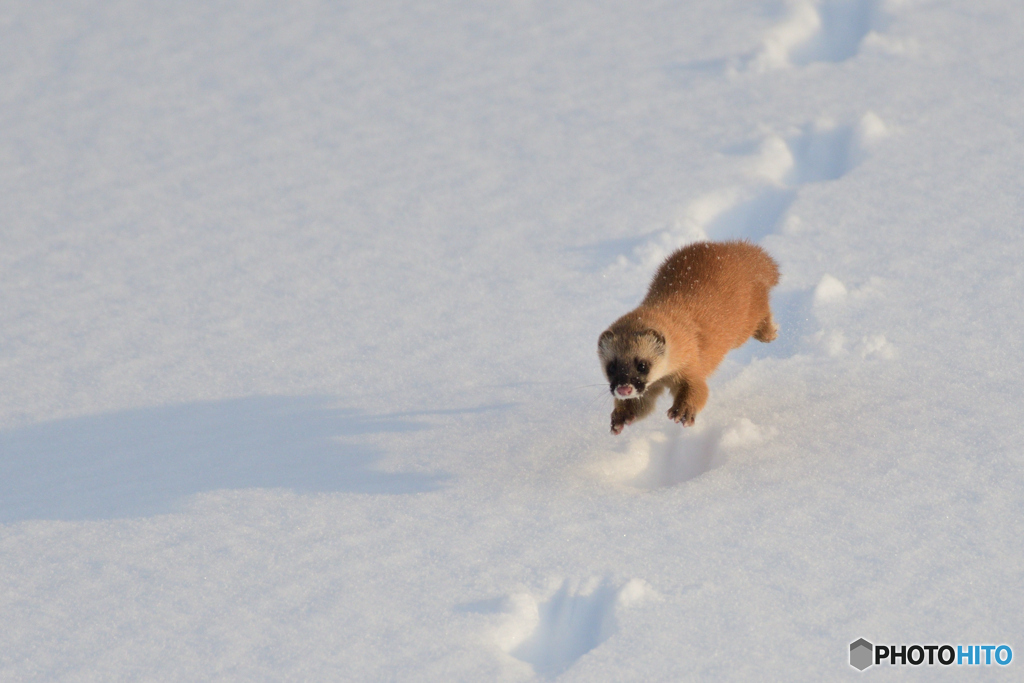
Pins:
x: 706, y: 299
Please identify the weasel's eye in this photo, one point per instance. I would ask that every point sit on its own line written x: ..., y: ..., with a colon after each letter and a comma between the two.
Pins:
x: 610, y: 368
x: 642, y: 366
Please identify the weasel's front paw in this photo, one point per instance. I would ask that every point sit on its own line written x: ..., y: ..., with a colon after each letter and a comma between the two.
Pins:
x: 682, y: 414
x: 620, y: 419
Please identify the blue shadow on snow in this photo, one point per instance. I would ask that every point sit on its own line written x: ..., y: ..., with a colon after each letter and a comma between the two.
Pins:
x: 141, y: 462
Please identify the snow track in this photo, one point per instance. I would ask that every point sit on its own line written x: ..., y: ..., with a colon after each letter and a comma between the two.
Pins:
x: 819, y: 31
x: 819, y: 152
x: 779, y: 167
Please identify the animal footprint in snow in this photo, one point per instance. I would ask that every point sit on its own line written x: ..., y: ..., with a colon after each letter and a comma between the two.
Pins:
x: 670, y: 457
x: 824, y: 31
x: 552, y: 633
x: 820, y: 151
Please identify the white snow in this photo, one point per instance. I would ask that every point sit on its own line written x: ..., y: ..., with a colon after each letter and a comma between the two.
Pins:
x: 829, y: 292
x: 299, y: 324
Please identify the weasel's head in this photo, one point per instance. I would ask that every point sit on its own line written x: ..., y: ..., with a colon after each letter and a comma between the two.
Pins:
x: 632, y: 359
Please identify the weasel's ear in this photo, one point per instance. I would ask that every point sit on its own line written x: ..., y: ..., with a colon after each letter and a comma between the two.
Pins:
x: 604, y: 344
x: 656, y: 340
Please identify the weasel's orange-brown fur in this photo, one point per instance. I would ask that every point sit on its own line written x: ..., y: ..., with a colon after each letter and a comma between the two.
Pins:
x: 706, y: 299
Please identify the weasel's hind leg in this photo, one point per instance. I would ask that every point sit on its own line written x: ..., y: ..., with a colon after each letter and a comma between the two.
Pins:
x: 766, y: 330
x: 761, y: 311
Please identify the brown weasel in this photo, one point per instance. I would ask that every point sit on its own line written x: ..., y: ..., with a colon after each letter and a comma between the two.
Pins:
x: 706, y: 299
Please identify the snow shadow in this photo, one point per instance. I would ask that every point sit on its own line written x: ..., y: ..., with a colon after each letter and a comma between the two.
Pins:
x: 142, y: 462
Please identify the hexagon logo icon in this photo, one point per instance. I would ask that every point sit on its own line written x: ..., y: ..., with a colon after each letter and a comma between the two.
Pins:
x: 861, y: 652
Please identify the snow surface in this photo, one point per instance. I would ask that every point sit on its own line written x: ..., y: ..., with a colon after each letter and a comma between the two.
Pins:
x: 300, y: 309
